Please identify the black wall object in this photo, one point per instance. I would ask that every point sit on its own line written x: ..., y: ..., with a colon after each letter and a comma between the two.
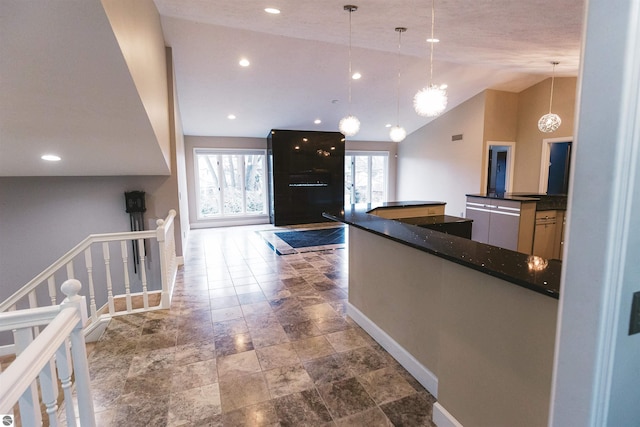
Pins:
x: 306, y: 175
x: 135, y: 206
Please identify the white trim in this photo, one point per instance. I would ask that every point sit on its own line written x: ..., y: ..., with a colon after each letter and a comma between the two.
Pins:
x: 424, y: 376
x: 545, y: 158
x: 7, y: 349
x: 442, y: 418
x: 180, y: 260
x: 229, y: 222
x: 511, y: 160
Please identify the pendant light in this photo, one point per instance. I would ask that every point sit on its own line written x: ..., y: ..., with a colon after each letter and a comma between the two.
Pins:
x: 430, y: 101
x: 397, y: 132
x: 550, y: 121
x: 349, y: 125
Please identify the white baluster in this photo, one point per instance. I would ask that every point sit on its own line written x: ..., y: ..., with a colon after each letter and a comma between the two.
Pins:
x: 52, y: 289
x: 65, y: 370
x: 79, y: 353
x: 28, y: 402
x: 107, y: 265
x: 127, y: 285
x: 49, y: 390
x: 143, y: 272
x: 92, y: 297
x: 33, y: 303
x: 70, y: 272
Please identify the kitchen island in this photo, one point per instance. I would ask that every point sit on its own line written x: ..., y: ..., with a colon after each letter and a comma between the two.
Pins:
x: 474, y: 323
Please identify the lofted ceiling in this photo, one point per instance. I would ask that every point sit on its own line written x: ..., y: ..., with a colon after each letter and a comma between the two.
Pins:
x: 65, y: 85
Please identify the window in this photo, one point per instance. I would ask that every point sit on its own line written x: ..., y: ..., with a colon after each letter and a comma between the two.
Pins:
x: 230, y: 183
x: 365, y: 177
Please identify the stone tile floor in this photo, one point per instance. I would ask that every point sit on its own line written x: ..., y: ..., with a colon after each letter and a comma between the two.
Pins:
x: 251, y: 339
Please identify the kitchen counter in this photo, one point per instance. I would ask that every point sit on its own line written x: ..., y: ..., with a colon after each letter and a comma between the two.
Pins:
x: 543, y: 201
x: 534, y: 273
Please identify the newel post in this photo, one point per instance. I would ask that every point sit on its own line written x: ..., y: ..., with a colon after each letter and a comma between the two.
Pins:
x: 71, y: 288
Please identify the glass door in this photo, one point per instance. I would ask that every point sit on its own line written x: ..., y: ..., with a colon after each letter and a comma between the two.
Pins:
x: 365, y: 175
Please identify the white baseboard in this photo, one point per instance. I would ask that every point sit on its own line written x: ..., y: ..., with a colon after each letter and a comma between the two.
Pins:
x: 442, y: 418
x: 94, y: 331
x: 410, y: 363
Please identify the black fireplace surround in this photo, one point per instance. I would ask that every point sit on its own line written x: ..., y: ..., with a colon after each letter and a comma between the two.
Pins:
x: 306, y: 175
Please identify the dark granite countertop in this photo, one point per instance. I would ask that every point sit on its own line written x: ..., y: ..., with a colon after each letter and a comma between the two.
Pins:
x: 520, y: 269
x: 434, y: 219
x: 543, y: 201
x: 411, y: 203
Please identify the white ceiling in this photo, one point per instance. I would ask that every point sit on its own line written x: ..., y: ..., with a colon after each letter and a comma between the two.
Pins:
x: 64, y: 83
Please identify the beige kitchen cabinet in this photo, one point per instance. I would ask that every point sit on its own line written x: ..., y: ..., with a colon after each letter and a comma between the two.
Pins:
x: 549, y: 234
x: 507, y: 223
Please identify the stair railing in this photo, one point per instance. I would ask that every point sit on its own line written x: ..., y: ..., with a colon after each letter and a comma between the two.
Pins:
x: 110, y: 288
x: 56, y: 354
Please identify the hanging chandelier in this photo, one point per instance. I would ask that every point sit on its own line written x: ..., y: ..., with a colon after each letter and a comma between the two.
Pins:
x: 550, y: 121
x: 430, y: 101
x: 349, y: 125
x: 397, y: 132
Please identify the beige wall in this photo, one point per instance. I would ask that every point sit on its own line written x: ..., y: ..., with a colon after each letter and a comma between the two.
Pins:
x: 532, y: 104
x: 137, y: 28
x: 432, y: 167
x: 490, y: 343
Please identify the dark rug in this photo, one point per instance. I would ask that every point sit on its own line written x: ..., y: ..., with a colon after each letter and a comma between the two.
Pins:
x: 320, y: 237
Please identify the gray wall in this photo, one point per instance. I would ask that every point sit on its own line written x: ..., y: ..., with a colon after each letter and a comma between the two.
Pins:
x: 43, y: 218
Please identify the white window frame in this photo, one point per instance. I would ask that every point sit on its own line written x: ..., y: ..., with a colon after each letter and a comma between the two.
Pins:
x: 370, y: 153
x: 222, y: 217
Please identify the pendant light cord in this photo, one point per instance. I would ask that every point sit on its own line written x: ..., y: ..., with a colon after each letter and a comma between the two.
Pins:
x: 351, y: 8
x: 433, y: 21
x: 553, y: 76
x: 400, y: 30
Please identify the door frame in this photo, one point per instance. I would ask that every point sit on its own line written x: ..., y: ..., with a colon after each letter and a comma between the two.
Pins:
x: 545, y: 158
x: 511, y: 157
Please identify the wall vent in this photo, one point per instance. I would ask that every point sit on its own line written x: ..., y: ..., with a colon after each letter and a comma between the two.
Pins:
x: 456, y: 137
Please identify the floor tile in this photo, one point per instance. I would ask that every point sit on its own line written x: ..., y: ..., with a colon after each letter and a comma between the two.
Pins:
x: 238, y: 364
x: 194, y: 352
x: 413, y: 410
x: 346, y: 397
x: 302, y: 409
x: 277, y: 356
x: 227, y: 313
x: 302, y: 330
x: 348, y: 339
x: 362, y: 360
x: 373, y: 417
x: 287, y: 380
x: 258, y: 415
x: 226, y: 345
x: 264, y: 337
x: 194, y: 375
x: 385, y: 385
x: 327, y: 370
x: 242, y: 391
x: 196, y: 406
x: 224, y: 302
x: 313, y: 348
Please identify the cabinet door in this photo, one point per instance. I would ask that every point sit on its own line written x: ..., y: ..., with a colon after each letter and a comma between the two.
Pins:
x: 504, y: 229
x: 545, y: 238
x: 480, y: 213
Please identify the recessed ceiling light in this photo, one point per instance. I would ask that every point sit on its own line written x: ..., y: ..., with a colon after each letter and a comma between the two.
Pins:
x: 231, y: 117
x: 272, y: 10
x: 305, y: 139
x: 317, y: 121
x: 51, y: 158
x: 433, y: 40
x: 388, y: 125
x: 356, y: 76
x: 244, y: 62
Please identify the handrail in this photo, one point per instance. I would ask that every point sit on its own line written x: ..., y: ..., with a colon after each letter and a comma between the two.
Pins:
x: 60, y: 344
x: 77, y: 250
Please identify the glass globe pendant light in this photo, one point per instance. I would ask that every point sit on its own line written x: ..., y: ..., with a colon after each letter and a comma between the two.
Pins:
x: 397, y: 132
x: 432, y: 100
x: 550, y: 121
x: 349, y: 125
